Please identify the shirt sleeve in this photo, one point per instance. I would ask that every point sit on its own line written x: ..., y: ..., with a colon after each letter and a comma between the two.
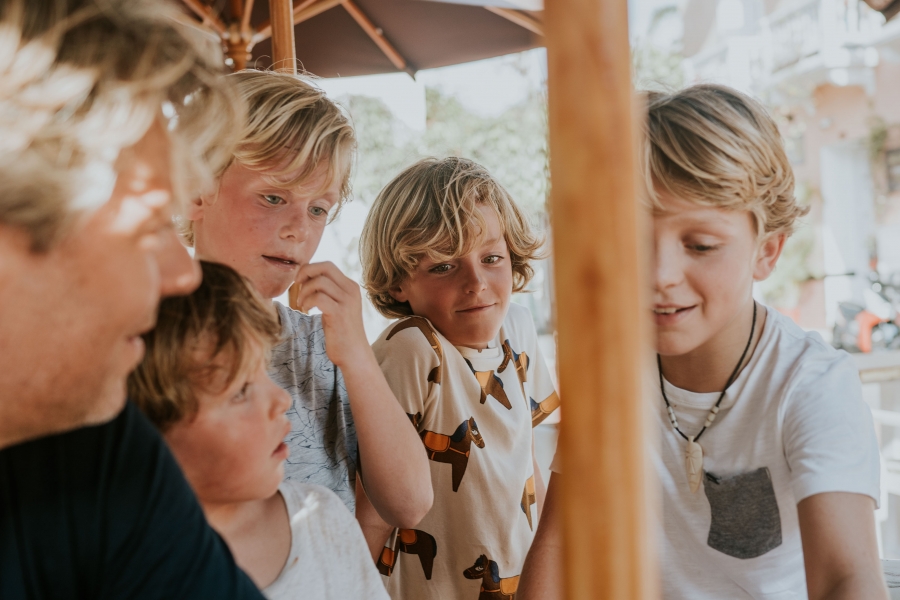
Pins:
x: 829, y: 435
x: 544, y: 399
x: 410, y: 355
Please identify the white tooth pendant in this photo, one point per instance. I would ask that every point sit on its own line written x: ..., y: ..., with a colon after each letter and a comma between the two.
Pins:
x: 693, y: 462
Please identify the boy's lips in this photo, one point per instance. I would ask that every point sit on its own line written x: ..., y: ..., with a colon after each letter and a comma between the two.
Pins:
x: 476, y: 309
x: 281, y: 261
x: 665, y: 315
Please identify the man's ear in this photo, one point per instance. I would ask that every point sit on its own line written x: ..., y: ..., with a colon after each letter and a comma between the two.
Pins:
x: 767, y: 254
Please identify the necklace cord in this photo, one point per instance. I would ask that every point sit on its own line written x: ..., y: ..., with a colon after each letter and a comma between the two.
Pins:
x: 731, y: 379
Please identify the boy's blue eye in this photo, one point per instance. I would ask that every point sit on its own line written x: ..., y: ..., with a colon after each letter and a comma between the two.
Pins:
x: 318, y: 211
x: 493, y: 259
x: 439, y: 268
x: 273, y: 199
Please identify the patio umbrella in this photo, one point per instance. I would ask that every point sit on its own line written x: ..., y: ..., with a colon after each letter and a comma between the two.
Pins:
x: 362, y: 37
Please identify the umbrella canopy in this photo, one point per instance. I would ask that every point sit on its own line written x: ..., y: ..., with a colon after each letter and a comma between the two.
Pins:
x: 362, y: 37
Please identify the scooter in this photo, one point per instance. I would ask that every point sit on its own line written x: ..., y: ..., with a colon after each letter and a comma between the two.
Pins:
x: 872, y: 327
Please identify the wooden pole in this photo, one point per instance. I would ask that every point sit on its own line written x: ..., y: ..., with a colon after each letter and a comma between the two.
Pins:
x: 284, y: 52
x: 603, y: 319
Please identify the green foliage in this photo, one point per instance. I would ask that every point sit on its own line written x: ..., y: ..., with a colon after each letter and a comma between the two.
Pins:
x: 513, y: 145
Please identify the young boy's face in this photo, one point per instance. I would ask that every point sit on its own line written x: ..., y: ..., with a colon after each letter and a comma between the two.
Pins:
x: 233, y: 449
x: 465, y: 298
x: 706, y: 260
x: 264, y: 232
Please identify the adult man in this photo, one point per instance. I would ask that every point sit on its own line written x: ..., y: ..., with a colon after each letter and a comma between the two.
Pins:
x: 87, y: 248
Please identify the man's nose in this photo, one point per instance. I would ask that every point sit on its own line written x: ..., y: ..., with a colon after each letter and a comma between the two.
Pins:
x: 179, y: 273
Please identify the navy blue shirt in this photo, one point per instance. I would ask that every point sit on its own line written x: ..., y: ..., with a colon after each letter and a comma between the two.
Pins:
x: 105, y: 512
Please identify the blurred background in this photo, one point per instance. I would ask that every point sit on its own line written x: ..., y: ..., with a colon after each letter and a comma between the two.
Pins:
x: 828, y: 70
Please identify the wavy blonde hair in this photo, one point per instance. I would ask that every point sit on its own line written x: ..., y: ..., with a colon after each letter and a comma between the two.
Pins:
x: 292, y: 128
x: 715, y: 146
x: 431, y: 210
x: 82, y: 79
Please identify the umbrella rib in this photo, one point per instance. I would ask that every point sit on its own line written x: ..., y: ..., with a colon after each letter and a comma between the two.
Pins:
x: 245, y: 19
x: 303, y: 11
x: 208, y: 17
x: 520, y: 18
x: 377, y: 36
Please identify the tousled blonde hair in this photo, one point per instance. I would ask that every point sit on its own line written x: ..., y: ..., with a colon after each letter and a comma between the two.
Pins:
x: 292, y: 128
x: 431, y: 210
x: 224, y: 315
x: 82, y: 79
x: 715, y: 146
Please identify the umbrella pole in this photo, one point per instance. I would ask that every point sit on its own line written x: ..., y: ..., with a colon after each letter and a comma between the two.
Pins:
x: 602, y: 314
x: 284, y: 51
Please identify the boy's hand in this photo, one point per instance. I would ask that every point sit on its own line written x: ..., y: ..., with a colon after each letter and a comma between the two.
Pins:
x: 339, y: 299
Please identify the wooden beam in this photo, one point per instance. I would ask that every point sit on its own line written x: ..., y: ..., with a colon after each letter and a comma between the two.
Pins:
x: 377, y: 36
x: 520, y: 18
x: 303, y: 11
x: 284, y: 52
x: 206, y: 15
x: 603, y: 314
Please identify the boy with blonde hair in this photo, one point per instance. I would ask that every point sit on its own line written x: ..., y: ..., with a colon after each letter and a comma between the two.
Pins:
x: 203, y: 383
x: 288, y: 177
x: 768, y: 462
x: 444, y: 247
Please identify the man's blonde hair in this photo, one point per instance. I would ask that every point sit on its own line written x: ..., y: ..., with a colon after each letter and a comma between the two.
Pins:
x: 224, y: 315
x: 431, y: 210
x: 292, y: 128
x: 82, y: 79
x: 715, y: 146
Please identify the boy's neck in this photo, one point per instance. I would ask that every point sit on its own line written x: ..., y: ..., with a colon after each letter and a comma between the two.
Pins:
x: 707, y: 368
x: 234, y: 518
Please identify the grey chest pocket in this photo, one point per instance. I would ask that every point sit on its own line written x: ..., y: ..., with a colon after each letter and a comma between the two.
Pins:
x: 745, y: 518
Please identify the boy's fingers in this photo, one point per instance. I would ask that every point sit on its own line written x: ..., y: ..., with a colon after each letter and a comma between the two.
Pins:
x: 317, y: 269
x: 321, y: 285
x: 322, y: 301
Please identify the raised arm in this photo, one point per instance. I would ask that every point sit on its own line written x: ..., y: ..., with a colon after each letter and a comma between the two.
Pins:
x: 395, y: 467
x: 839, y: 547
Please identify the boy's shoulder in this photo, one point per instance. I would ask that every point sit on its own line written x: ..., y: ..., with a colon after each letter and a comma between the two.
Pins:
x: 804, y: 354
x: 414, y: 333
x: 299, y: 496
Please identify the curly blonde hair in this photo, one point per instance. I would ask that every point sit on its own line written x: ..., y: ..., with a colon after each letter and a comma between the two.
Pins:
x: 431, y: 210
x: 715, y: 146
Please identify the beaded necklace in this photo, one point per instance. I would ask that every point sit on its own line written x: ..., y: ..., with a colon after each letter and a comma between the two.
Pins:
x: 693, y: 458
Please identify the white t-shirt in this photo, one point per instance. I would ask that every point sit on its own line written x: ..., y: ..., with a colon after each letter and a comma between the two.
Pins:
x: 792, y: 425
x: 329, y: 558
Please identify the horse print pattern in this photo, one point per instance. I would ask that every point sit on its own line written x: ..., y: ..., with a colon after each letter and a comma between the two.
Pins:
x: 528, y: 500
x: 425, y: 327
x: 452, y: 449
x: 542, y: 410
x: 522, y: 362
x: 409, y: 541
x: 493, y: 587
x: 491, y: 385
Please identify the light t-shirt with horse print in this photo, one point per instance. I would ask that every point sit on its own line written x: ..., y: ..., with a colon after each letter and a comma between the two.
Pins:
x: 474, y: 411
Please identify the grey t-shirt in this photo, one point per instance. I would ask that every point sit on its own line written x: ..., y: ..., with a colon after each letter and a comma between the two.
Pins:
x: 322, y: 438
